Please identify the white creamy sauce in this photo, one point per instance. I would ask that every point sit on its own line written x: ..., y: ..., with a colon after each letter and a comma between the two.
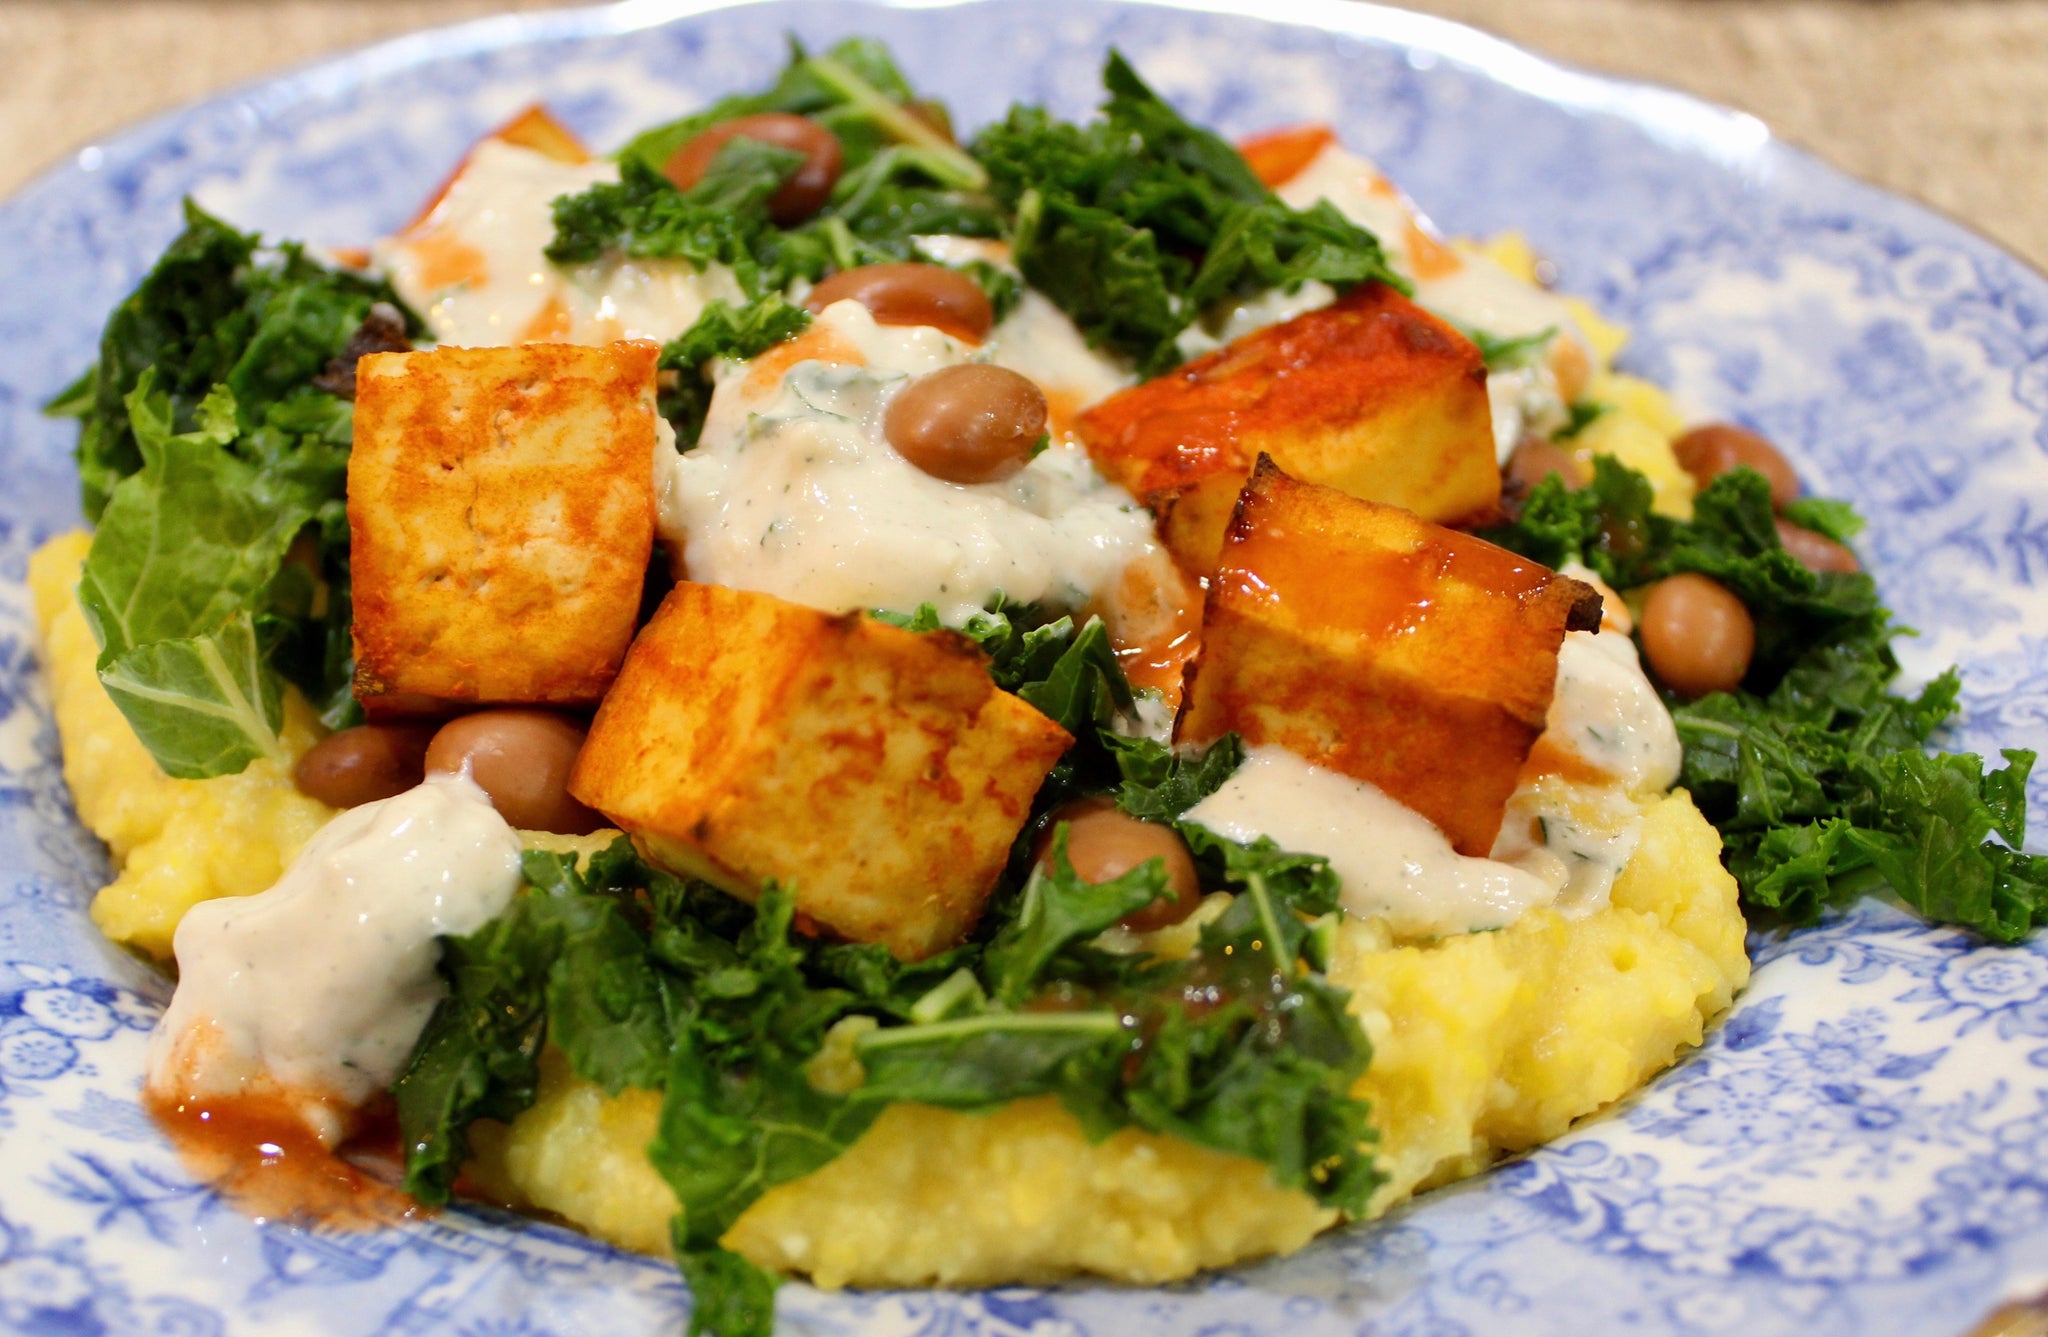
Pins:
x: 475, y: 268
x: 1037, y: 341
x: 794, y: 490
x: 1477, y: 294
x: 1525, y: 401
x: 1393, y: 863
x: 1233, y: 320
x: 1605, y: 711
x: 318, y: 988
x: 1579, y: 830
x: 1563, y: 839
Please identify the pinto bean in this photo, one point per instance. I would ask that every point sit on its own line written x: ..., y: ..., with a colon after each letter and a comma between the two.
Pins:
x: 804, y: 193
x: 1708, y: 451
x: 1104, y: 843
x: 352, y: 767
x: 1816, y: 552
x: 521, y: 758
x: 1535, y: 460
x: 1697, y: 636
x: 912, y: 293
x: 974, y: 423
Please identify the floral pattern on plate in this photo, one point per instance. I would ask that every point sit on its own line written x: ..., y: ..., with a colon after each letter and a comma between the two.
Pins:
x: 1861, y: 1148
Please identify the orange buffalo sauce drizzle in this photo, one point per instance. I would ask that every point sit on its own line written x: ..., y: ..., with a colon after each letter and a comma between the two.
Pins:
x: 819, y: 343
x: 551, y: 324
x: 1429, y: 258
x: 1062, y: 413
x: 1155, y: 625
x: 1278, y: 156
x: 256, y: 1151
x: 446, y: 260
x: 1551, y: 758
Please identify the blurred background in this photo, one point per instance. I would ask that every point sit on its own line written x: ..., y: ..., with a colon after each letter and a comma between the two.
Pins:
x: 1944, y: 100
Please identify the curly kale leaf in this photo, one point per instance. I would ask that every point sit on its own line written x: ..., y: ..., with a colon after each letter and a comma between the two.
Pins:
x: 901, y: 178
x: 216, y: 310
x: 1138, y: 222
x: 721, y: 333
x: 1815, y: 770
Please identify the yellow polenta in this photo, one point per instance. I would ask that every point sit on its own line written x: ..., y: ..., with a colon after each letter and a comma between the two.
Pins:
x: 176, y: 842
x: 1483, y: 1044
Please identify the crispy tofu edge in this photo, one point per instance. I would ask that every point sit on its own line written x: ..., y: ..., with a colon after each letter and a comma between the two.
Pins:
x: 1273, y: 682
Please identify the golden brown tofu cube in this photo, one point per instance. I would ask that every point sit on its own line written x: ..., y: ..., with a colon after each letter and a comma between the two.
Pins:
x: 876, y: 771
x: 1371, y: 395
x: 501, y: 514
x: 1372, y: 642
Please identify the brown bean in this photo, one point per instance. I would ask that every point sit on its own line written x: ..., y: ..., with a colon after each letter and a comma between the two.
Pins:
x: 974, y: 423
x: 1697, y: 636
x: 521, y: 758
x: 803, y: 194
x: 1816, y: 552
x: 1708, y: 451
x: 1535, y: 460
x: 361, y: 765
x: 1104, y: 843
x: 1572, y: 366
x: 912, y: 293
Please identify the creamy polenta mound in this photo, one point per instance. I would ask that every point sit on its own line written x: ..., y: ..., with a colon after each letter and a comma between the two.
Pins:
x: 175, y: 842
x: 1484, y: 1044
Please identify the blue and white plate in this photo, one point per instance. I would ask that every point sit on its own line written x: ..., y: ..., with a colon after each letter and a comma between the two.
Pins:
x: 1861, y: 1148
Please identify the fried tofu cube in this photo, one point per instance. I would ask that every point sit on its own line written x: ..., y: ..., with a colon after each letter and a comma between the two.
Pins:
x: 1374, y: 643
x: 878, y: 772
x: 1371, y: 395
x: 501, y: 514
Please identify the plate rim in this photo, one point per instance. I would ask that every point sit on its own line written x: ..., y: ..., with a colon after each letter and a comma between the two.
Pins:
x: 1732, y: 137
x: 1477, y: 51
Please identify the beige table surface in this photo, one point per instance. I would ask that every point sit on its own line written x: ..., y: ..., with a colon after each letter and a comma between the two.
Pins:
x: 1946, y: 100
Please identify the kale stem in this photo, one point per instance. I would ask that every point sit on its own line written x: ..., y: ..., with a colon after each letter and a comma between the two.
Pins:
x: 1255, y: 886
x: 1083, y: 1023
x: 898, y: 122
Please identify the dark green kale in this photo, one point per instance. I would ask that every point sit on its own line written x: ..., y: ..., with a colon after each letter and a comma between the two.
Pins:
x: 901, y: 177
x: 1609, y: 526
x: 723, y: 219
x: 216, y: 310
x: 1159, y: 784
x: 1825, y: 515
x: 210, y: 441
x: 775, y: 1052
x: 1138, y: 222
x: 1815, y: 770
x: 721, y: 332
x: 1501, y: 353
